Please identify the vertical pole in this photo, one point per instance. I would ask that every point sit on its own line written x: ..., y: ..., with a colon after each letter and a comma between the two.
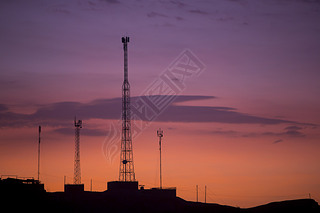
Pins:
x: 64, y: 180
x: 205, y: 194
x: 91, y: 185
x: 125, y: 48
x: 160, y: 135
x: 197, y: 192
x: 160, y: 164
x: 39, y: 154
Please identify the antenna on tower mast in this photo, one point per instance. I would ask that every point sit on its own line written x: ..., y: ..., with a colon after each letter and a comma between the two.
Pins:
x: 39, y: 154
x: 160, y: 135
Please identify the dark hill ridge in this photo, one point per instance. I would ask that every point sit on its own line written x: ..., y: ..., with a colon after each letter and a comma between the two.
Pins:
x: 301, y: 205
x: 29, y: 196
x: 106, y: 202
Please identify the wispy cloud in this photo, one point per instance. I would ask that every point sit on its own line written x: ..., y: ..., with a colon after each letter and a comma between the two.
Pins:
x: 225, y: 132
x: 214, y: 114
x: 278, y: 141
x: 201, y: 12
x: 177, y: 3
x: 111, y: 1
x: 60, y: 113
x: 294, y: 131
x: 3, y: 107
x: 84, y: 131
x: 155, y: 14
x: 290, y: 131
x: 293, y: 128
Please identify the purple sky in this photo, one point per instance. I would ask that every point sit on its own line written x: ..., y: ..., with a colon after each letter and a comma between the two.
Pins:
x: 61, y: 58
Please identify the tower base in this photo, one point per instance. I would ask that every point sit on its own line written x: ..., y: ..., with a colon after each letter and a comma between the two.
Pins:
x: 74, y: 188
x: 123, y: 186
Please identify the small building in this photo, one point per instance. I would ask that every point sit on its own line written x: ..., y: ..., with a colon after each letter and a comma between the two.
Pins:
x: 21, y: 185
x: 122, y: 186
x: 160, y: 192
x: 73, y: 188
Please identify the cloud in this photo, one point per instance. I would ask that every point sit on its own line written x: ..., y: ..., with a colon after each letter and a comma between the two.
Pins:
x: 213, y: 114
x: 59, y: 9
x: 3, y: 107
x: 111, y: 1
x: 291, y: 131
x: 294, y: 131
x: 241, y: 2
x: 179, y: 18
x: 171, y: 128
x: 155, y: 14
x: 293, y: 128
x: 84, y: 131
x: 278, y: 141
x: 198, y: 12
x: 177, y: 3
x: 184, y: 98
x: 308, y: 1
x: 60, y: 114
x: 225, y: 132
x: 225, y: 19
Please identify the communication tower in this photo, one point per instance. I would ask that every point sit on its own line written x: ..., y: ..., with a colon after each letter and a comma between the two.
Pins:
x: 77, y: 170
x: 126, y: 171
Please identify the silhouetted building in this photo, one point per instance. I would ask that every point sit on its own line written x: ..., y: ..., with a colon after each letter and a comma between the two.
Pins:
x: 74, y: 188
x: 21, y: 185
x: 160, y: 192
x: 123, y: 186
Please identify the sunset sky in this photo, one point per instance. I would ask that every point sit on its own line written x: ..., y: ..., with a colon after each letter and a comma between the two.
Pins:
x: 246, y: 126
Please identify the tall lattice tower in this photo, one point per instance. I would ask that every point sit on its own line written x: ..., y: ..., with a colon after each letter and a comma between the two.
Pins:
x: 77, y: 170
x: 126, y: 171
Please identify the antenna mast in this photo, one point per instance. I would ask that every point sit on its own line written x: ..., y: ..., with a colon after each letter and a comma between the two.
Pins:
x: 77, y: 170
x: 126, y: 172
x: 160, y: 135
x: 197, y: 192
x: 205, y: 194
x: 39, y: 154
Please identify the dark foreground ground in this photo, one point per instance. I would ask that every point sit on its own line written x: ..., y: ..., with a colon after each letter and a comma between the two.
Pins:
x: 133, y: 202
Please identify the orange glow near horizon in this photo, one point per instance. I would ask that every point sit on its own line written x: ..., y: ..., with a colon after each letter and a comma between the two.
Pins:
x: 236, y: 171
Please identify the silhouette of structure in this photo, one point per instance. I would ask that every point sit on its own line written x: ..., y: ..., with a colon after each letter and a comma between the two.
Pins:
x: 197, y: 192
x: 126, y: 171
x: 76, y: 187
x: 39, y: 154
x: 127, y: 181
x: 77, y: 169
x: 160, y: 135
x: 205, y: 194
x: 15, y: 184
